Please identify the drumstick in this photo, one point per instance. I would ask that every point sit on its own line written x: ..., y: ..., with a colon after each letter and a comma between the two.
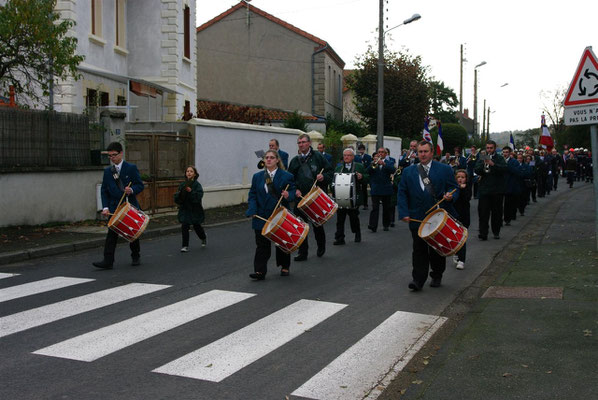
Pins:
x: 440, y: 201
x: 316, y: 181
x: 123, y: 196
x: 263, y: 219
x: 281, y: 196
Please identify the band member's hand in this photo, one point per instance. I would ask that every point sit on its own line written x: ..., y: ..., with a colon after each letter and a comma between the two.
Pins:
x: 406, y: 219
x: 188, y: 189
x: 128, y: 191
x: 105, y: 212
x: 320, y: 177
x: 448, y: 196
x: 381, y: 161
x: 285, y: 194
x: 463, y: 185
x: 490, y: 162
x: 358, y: 175
x: 297, y: 193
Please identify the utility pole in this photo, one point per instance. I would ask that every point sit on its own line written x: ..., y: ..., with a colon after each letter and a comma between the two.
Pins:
x: 380, y: 119
x: 461, y: 84
x: 488, y: 124
x: 475, y: 102
x: 484, y: 133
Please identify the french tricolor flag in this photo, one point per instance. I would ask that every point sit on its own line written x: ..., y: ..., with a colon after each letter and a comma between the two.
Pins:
x: 439, y: 143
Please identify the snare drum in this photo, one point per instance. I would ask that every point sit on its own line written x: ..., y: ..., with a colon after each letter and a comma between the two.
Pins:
x: 285, y: 230
x: 344, y: 189
x: 128, y: 222
x: 442, y: 232
x: 317, y: 206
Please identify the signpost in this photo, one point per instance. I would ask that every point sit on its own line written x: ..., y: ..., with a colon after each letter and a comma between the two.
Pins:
x: 581, y: 108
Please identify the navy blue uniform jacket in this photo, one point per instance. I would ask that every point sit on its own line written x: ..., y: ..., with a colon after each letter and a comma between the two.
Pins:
x: 380, y: 183
x: 413, y: 201
x: 262, y: 203
x: 284, y: 157
x: 111, y: 194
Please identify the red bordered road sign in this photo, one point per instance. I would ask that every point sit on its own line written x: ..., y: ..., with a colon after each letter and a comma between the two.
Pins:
x: 584, y: 86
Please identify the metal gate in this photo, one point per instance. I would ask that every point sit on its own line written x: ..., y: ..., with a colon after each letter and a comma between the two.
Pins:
x: 161, y: 159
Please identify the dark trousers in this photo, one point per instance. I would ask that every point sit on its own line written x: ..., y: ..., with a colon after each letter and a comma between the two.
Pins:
x: 510, y: 207
x: 263, y: 251
x: 462, y: 253
x: 570, y: 178
x: 490, y: 208
x: 532, y: 191
x: 185, y: 231
x: 341, y: 215
x: 541, y: 185
x: 424, y: 258
x: 364, y: 194
x: 523, y: 199
x: 110, y: 247
x: 555, y: 180
x: 318, y: 231
x: 386, y: 211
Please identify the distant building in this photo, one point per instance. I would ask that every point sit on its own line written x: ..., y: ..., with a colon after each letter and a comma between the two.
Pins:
x: 139, y: 58
x: 465, y: 121
x: 349, y: 110
x: 247, y: 56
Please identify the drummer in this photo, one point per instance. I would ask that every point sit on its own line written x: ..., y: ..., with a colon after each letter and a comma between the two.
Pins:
x: 422, y: 185
x: 120, y: 178
x: 267, y: 187
x: 307, y: 167
x: 349, y: 166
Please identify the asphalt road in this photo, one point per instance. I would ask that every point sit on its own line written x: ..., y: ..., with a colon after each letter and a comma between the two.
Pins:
x: 194, y: 326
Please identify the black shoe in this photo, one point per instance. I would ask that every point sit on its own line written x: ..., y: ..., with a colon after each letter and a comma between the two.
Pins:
x: 436, y: 282
x: 321, y: 251
x: 371, y: 228
x: 284, y: 273
x: 257, y: 276
x: 385, y: 229
x: 392, y: 225
x: 135, y: 262
x: 482, y: 237
x: 339, y: 242
x: 496, y: 236
x: 102, y: 264
x: 357, y: 237
x: 416, y: 287
x: 300, y: 257
x: 507, y: 223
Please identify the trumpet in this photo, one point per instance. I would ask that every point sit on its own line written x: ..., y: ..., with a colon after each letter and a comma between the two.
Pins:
x: 486, y: 165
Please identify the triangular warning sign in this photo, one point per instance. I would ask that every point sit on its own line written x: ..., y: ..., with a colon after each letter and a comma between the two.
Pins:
x: 584, y: 86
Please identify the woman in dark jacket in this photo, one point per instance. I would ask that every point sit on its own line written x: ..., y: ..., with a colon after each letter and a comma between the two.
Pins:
x: 188, y: 197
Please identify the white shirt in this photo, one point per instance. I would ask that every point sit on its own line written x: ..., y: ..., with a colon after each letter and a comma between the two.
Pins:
x: 427, y: 169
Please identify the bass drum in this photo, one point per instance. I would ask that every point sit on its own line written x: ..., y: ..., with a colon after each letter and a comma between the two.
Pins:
x: 344, y: 190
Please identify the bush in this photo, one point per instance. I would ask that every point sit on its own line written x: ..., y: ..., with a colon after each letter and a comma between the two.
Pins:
x: 452, y: 135
x: 296, y: 121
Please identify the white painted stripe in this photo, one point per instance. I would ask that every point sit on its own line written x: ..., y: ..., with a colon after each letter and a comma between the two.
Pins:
x: 107, y: 340
x: 45, y: 285
x: 6, y: 275
x: 228, y: 355
x: 53, y: 312
x: 357, y: 372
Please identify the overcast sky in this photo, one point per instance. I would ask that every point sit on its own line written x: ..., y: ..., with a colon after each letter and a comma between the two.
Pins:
x: 532, y: 45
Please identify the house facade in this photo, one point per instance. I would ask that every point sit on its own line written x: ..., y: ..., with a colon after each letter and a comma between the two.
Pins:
x: 139, y: 58
x: 247, y: 56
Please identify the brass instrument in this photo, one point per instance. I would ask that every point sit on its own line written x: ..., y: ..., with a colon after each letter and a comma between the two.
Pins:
x: 398, y: 172
x: 486, y: 165
x: 261, y: 164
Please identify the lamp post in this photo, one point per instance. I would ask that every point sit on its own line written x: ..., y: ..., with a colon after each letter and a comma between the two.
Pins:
x: 475, y: 97
x: 381, y: 33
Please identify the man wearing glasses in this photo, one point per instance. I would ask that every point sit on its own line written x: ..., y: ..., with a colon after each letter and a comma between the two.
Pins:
x: 115, y: 183
x: 309, y: 166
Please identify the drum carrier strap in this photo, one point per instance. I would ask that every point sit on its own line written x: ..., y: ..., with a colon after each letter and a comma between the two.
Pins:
x: 270, y: 183
x: 116, y: 177
x: 426, y: 180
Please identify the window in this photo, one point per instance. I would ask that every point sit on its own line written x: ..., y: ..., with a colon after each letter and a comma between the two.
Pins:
x: 187, y: 111
x: 104, y: 99
x: 92, y: 98
x: 96, y: 17
x: 121, y: 101
x: 187, y: 32
x: 120, y: 23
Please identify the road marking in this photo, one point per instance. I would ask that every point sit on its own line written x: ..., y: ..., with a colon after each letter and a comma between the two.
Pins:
x: 6, y: 275
x: 53, y: 312
x: 228, y: 355
x: 107, y: 340
x: 45, y: 285
x: 367, y: 364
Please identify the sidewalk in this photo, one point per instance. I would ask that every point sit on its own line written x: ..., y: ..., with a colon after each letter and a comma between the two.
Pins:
x: 528, y: 326
x: 27, y: 242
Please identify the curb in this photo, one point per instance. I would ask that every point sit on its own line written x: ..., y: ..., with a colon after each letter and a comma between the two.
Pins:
x: 63, y: 248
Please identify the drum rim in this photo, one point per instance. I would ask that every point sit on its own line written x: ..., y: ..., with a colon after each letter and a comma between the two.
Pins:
x: 435, y: 231
x: 278, y: 223
x: 308, y: 198
x: 119, y: 213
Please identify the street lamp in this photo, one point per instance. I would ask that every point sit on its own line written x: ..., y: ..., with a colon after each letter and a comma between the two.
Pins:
x: 475, y: 97
x: 381, y: 33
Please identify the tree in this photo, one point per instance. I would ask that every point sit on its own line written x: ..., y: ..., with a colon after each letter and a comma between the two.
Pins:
x: 554, y: 111
x: 34, y: 47
x: 406, y: 100
x: 347, y: 126
x: 296, y: 121
x: 443, y: 102
x: 452, y: 135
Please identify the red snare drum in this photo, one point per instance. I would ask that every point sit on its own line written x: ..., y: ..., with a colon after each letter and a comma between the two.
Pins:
x: 317, y: 206
x: 442, y: 232
x: 128, y: 222
x: 285, y: 230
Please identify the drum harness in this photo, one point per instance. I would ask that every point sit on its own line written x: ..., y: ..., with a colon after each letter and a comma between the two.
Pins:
x: 426, y: 180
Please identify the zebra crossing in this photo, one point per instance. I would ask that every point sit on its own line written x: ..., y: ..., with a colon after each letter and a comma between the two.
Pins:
x: 355, y: 373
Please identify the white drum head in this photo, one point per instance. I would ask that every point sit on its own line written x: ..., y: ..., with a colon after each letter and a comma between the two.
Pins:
x: 272, y: 222
x: 431, y: 224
